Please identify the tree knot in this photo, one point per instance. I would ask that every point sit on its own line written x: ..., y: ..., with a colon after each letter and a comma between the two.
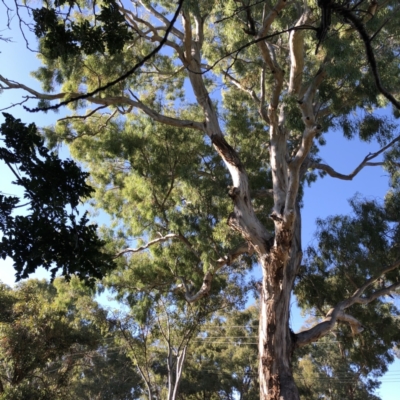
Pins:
x: 233, y: 192
x: 275, y: 217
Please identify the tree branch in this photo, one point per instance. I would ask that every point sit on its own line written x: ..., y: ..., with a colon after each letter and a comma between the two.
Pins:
x: 208, y: 277
x: 15, y: 85
x: 122, y: 77
x: 89, y: 114
x: 364, y: 163
x: 187, y: 38
x: 270, y: 17
x: 268, y: 52
x: 255, y: 41
x: 236, y: 83
x: 296, y: 47
x: 360, y: 28
x: 311, y: 128
x: 243, y: 219
x: 162, y: 18
x: 108, y: 101
x: 134, y: 20
x: 147, y: 245
x: 337, y: 313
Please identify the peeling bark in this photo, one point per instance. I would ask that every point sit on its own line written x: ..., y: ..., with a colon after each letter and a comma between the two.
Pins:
x: 276, y: 340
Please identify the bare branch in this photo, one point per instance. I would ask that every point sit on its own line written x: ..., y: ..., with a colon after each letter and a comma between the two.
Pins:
x: 181, y: 123
x: 355, y: 325
x: 187, y: 39
x: 269, y: 57
x: 270, y: 17
x: 311, y: 129
x: 15, y: 85
x: 366, y: 162
x: 15, y: 104
x: 161, y: 17
x: 296, y: 46
x: 108, y: 101
x: 147, y: 245
x: 262, y: 110
x: 379, y: 293
x: 199, y: 30
x: 255, y: 41
x: 83, y: 116
x: 134, y: 20
x: 306, y: 102
x: 236, y: 83
x: 240, y: 194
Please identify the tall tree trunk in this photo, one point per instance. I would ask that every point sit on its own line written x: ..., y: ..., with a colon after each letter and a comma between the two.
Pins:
x: 276, y: 340
x: 175, y: 369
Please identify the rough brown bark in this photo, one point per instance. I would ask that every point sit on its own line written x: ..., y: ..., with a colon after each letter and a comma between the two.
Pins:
x: 276, y: 340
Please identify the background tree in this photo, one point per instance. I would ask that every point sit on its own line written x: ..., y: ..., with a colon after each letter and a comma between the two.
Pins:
x: 54, y: 345
x: 222, y: 359
x: 333, y: 368
x: 156, y: 324
x: 108, y: 374
x: 41, y: 339
x: 164, y: 143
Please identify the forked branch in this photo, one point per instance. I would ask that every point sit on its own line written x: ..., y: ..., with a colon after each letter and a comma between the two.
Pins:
x: 147, y: 245
x: 366, y: 162
x: 107, y: 101
x: 337, y: 313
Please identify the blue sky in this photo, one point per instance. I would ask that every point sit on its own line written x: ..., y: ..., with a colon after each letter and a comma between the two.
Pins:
x: 326, y: 197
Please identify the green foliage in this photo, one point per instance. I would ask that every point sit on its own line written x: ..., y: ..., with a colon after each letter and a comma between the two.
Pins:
x: 49, y: 236
x: 67, y: 39
x: 55, y: 344
x: 327, y: 370
x: 43, y: 338
x: 223, y: 363
x: 161, y: 177
x: 351, y: 249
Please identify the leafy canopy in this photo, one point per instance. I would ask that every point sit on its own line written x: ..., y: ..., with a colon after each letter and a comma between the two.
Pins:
x: 50, y: 235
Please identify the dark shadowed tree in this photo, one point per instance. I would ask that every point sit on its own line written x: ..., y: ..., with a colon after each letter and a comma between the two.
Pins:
x: 50, y: 235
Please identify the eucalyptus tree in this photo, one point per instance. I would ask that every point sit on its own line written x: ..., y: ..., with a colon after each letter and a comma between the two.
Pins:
x: 240, y: 95
x: 350, y: 249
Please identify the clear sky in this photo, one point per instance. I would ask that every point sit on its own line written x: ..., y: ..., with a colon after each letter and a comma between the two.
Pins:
x: 326, y: 197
